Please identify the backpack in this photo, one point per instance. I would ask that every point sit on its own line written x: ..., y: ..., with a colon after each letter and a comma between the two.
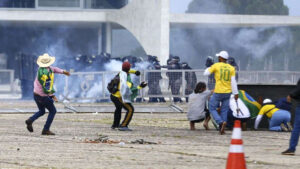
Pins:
x: 112, y: 86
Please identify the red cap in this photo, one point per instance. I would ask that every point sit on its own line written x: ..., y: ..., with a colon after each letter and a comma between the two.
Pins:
x: 126, y: 66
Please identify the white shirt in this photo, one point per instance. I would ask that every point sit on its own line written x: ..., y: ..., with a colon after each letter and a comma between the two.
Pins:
x: 196, y: 105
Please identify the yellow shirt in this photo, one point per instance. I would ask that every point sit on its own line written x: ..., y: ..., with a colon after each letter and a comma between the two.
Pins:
x: 268, y: 110
x: 118, y: 93
x: 223, y: 73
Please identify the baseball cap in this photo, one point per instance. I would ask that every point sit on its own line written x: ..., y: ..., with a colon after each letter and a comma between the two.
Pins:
x: 267, y: 101
x: 223, y: 54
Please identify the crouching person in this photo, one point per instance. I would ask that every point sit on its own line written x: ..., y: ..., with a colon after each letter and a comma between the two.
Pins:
x: 44, y: 92
x: 124, y: 97
x: 197, y: 101
x: 279, y: 119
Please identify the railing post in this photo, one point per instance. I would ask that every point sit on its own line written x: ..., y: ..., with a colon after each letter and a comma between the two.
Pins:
x: 12, y: 76
x: 66, y: 86
x: 103, y: 85
x: 183, y: 83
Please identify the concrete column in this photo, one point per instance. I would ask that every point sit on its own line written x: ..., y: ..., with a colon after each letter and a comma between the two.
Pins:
x: 99, y: 40
x: 105, y: 38
x: 148, y: 21
x: 108, y: 37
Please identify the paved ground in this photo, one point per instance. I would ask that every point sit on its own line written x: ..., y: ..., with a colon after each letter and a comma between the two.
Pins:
x: 81, y: 142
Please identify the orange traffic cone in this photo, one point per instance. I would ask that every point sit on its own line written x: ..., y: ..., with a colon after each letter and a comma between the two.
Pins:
x: 236, y: 158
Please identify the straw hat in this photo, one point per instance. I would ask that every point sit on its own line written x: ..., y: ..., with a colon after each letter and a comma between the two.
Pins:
x: 45, y: 60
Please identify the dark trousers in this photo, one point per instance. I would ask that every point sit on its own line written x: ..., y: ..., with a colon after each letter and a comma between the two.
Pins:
x: 119, y: 104
x: 44, y: 103
x: 296, y: 131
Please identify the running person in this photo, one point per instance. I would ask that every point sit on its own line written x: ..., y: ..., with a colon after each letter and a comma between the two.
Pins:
x: 44, y: 92
x: 225, y: 85
x: 124, y: 97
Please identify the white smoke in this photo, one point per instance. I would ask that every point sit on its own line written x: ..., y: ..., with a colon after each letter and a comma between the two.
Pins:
x: 113, y: 65
x: 251, y: 40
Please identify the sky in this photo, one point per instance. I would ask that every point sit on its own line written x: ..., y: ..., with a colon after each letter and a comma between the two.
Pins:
x: 180, y: 6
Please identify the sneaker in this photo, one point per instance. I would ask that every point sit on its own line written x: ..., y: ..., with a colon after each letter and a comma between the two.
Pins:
x: 283, y: 127
x: 29, y: 125
x: 288, y: 152
x: 124, y: 129
x: 222, y: 127
x: 47, y: 132
x: 289, y: 126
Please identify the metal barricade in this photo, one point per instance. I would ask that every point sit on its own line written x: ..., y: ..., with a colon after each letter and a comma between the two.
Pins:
x: 167, y: 84
x: 87, y: 85
x: 7, y: 81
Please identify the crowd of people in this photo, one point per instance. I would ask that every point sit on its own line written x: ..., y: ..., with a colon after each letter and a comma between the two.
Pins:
x: 205, y: 104
x: 218, y: 100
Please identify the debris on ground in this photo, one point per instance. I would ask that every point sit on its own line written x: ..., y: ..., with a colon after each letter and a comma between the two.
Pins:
x: 102, y: 139
x: 106, y: 139
x: 142, y: 141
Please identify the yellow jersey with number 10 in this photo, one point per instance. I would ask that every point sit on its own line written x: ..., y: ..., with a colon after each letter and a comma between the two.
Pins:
x: 223, y: 73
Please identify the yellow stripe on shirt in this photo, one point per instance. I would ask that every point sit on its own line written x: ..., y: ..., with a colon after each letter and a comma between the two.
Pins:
x: 268, y: 110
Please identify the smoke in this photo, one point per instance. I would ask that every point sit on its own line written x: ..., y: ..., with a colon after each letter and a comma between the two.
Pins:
x: 113, y: 65
x: 252, y: 42
x: 245, y: 44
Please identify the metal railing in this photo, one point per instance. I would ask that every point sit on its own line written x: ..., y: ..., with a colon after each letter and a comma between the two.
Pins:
x: 162, y: 83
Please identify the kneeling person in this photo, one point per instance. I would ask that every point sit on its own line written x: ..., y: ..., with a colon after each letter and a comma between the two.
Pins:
x: 197, y: 101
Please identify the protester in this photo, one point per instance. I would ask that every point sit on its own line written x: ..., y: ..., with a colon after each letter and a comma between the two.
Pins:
x: 124, y: 97
x: 225, y: 85
x: 295, y: 94
x: 252, y: 105
x: 197, y: 101
x: 44, y: 92
x: 279, y: 118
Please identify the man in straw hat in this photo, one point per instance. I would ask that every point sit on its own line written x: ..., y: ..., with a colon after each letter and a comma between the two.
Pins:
x: 43, y: 92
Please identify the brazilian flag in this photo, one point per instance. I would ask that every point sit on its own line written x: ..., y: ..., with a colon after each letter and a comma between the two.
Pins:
x: 251, y: 104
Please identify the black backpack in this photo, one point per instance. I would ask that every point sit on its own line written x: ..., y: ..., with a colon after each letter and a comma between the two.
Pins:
x: 113, y: 85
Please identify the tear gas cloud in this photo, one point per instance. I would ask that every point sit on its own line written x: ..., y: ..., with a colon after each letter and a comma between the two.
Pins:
x: 242, y: 43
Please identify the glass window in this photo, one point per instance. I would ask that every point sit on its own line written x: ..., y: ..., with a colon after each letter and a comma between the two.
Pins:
x: 105, y: 4
x: 59, y: 3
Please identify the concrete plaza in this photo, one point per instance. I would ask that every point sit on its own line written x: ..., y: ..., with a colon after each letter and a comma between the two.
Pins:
x: 85, y: 140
